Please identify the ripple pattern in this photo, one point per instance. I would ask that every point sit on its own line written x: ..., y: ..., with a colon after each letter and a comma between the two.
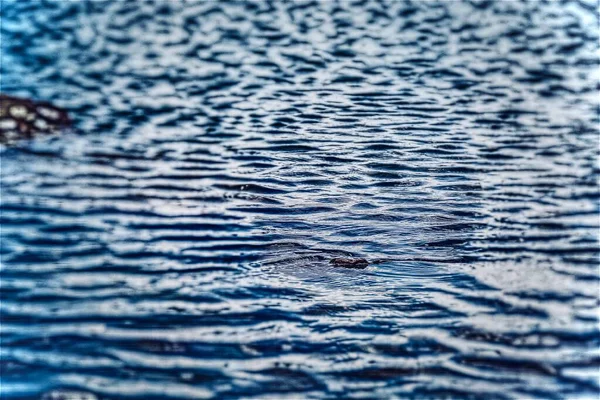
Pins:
x: 176, y: 244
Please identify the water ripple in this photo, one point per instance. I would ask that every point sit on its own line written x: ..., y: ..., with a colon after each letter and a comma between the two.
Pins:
x: 176, y: 243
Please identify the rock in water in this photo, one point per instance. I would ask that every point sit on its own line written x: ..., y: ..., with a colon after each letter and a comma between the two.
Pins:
x: 358, y: 263
x: 25, y: 119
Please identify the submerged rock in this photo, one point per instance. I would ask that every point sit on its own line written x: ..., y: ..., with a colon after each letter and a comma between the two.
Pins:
x: 24, y: 119
x: 343, y: 262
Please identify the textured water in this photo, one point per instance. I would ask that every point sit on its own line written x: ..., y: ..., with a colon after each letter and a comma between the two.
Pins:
x: 176, y: 242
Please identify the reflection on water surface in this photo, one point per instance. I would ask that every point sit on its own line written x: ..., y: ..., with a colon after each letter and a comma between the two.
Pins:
x: 178, y: 243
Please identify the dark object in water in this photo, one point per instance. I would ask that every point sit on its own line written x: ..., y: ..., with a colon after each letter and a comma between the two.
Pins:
x: 357, y: 263
x: 24, y: 119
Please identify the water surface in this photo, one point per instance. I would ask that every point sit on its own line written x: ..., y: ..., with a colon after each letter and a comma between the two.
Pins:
x: 175, y: 243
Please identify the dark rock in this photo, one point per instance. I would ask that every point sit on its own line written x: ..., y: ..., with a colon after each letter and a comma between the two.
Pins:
x: 357, y: 263
x: 24, y: 119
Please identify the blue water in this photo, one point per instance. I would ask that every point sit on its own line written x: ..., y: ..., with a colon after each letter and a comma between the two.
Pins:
x: 175, y: 243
